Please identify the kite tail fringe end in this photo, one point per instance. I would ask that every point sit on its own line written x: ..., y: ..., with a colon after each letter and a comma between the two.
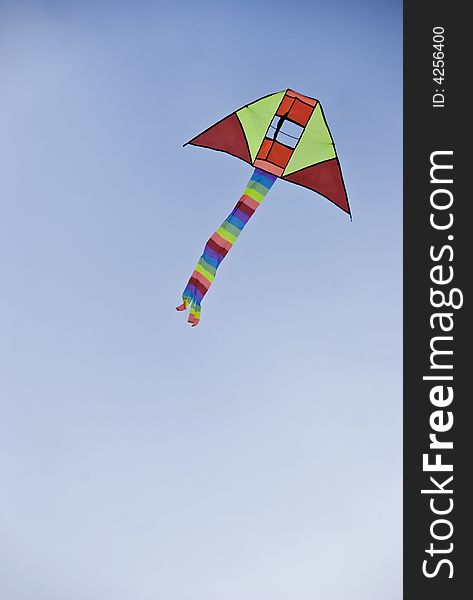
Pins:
x: 194, y: 314
x: 222, y: 241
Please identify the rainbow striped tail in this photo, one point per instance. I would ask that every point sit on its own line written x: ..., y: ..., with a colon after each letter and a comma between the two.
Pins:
x: 221, y: 241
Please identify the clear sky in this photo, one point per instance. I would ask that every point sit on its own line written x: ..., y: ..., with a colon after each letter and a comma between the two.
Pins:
x: 257, y: 456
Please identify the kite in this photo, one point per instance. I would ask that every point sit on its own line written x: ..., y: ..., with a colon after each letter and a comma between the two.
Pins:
x: 281, y: 135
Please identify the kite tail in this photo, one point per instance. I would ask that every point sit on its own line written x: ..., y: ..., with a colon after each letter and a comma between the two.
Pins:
x: 221, y: 241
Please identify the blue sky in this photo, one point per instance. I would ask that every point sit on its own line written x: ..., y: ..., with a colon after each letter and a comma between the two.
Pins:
x: 258, y: 455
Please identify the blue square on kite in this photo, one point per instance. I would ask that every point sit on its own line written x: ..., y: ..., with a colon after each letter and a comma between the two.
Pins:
x: 288, y: 134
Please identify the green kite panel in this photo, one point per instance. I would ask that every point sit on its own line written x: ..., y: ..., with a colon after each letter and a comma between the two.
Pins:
x: 315, y: 145
x: 256, y: 118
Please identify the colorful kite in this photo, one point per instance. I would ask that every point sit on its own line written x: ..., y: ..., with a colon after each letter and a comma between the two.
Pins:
x: 282, y: 135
